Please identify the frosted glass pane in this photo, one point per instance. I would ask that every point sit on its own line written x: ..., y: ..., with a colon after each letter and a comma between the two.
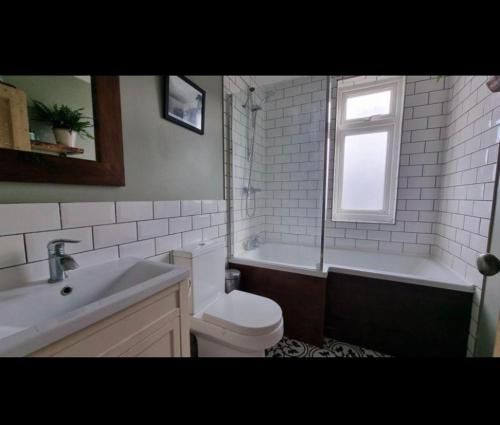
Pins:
x: 367, y: 105
x: 363, y: 183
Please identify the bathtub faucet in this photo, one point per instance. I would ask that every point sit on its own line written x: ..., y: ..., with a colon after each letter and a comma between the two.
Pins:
x: 252, y: 243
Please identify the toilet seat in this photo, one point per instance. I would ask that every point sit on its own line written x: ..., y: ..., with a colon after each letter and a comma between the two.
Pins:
x: 244, y: 313
x: 236, y: 341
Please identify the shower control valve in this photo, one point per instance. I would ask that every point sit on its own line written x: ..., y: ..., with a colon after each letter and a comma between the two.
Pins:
x: 250, y: 190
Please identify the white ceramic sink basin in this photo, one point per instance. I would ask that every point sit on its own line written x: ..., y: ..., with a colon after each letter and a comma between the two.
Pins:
x: 35, y: 315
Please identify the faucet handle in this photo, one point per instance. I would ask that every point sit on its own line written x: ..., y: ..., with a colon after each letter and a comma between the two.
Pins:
x: 57, y: 244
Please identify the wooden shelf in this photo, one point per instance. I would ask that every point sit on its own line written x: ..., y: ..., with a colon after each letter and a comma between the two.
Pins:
x: 55, y: 148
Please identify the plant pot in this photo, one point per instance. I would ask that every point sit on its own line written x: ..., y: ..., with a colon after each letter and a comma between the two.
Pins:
x: 65, y: 137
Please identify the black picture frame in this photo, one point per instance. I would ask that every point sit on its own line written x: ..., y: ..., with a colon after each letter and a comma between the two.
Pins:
x: 166, y: 109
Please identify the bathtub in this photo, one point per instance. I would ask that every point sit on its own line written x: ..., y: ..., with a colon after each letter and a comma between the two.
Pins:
x: 401, y: 305
x: 409, y: 269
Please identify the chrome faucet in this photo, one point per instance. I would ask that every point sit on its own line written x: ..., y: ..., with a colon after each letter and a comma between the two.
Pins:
x: 59, y: 262
x: 252, y: 243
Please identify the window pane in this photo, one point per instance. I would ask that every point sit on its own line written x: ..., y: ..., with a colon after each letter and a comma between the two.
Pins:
x: 367, y: 105
x: 363, y: 183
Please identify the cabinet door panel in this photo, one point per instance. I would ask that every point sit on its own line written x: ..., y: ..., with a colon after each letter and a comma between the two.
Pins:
x: 168, y: 344
x: 147, y: 335
x: 123, y: 328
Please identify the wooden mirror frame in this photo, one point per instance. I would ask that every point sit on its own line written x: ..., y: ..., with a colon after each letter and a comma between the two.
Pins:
x: 107, y: 170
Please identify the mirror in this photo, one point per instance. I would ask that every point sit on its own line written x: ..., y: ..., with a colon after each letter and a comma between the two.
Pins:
x: 57, y: 111
x: 61, y: 129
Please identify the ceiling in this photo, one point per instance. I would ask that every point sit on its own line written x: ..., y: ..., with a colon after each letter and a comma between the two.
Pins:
x: 263, y: 80
x: 85, y: 78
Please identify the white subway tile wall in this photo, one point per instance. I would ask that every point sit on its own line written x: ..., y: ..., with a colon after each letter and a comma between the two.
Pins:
x: 152, y: 228
x: 180, y: 224
x: 289, y: 158
x: 468, y: 163
x: 237, y: 135
x: 133, y: 211
x: 166, y: 209
x: 94, y: 258
x: 190, y: 207
x: 448, y: 162
x: 23, y: 252
x: 36, y: 243
x: 290, y: 161
x: 423, y: 126
x: 114, y: 234
x: 23, y: 218
x: 81, y: 214
x: 142, y: 249
x: 12, y: 251
x: 290, y: 167
x: 295, y: 123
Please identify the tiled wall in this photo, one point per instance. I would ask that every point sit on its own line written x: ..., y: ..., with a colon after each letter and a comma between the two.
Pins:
x: 106, y: 231
x: 424, y: 121
x: 295, y: 128
x: 469, y: 159
x: 237, y: 134
x: 449, y: 152
x: 447, y: 168
x: 295, y: 113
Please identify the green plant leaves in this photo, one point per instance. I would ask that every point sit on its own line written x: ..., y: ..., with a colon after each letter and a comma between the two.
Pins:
x: 62, y: 116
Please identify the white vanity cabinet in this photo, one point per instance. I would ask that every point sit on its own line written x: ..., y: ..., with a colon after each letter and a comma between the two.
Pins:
x: 157, y: 326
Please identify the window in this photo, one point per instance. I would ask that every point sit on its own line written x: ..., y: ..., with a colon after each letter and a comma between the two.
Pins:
x: 367, y: 147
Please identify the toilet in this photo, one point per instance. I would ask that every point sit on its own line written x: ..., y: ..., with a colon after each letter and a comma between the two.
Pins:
x: 238, y: 324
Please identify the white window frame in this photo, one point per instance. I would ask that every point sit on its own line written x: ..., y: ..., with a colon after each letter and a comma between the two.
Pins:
x: 391, y: 122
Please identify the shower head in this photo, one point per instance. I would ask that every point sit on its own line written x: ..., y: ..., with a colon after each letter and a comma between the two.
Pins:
x: 249, y: 101
x: 249, y: 98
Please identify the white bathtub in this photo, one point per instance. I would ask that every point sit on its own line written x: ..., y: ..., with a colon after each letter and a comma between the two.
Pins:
x: 393, y: 267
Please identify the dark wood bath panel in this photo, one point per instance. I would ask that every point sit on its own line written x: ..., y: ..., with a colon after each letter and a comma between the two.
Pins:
x: 395, y: 318
x: 301, y: 297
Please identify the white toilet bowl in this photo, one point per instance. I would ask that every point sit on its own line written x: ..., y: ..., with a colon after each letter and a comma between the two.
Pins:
x: 238, y: 324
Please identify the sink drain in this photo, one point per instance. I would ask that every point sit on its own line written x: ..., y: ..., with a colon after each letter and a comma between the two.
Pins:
x: 66, y: 290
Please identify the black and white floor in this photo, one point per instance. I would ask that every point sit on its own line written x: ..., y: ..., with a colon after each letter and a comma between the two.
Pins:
x: 292, y: 348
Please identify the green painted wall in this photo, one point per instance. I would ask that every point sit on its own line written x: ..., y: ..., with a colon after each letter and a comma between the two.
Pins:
x: 163, y: 161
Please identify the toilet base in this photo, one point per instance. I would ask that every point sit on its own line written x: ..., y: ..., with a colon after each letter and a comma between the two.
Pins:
x: 209, y: 348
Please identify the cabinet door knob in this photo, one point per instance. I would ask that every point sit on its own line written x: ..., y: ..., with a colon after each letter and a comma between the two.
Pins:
x: 488, y: 264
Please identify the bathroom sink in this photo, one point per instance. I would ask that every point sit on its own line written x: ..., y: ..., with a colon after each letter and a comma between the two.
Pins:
x: 37, y: 314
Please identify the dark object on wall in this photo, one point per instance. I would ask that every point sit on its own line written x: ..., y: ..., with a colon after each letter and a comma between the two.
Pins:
x: 233, y: 280
x: 399, y: 319
x: 488, y: 264
x: 107, y: 170
x: 301, y: 297
x: 494, y: 83
x: 184, y: 103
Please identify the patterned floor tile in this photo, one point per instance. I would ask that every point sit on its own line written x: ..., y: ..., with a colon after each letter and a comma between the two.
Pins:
x: 292, y: 348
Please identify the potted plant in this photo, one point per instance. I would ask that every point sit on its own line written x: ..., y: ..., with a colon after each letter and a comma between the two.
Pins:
x: 66, y: 122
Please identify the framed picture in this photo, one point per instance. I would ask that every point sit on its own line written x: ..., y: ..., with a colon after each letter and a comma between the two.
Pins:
x: 184, y: 103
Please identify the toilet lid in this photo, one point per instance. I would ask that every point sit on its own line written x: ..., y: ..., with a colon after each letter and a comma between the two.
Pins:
x: 244, y: 313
